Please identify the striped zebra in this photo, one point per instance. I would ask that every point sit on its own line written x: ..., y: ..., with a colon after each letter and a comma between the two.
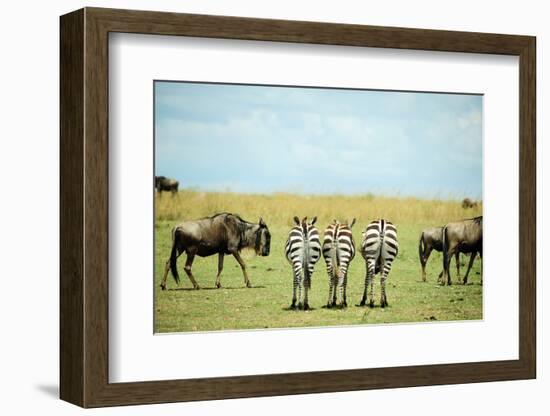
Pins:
x: 302, y: 250
x: 338, y: 251
x: 379, y: 248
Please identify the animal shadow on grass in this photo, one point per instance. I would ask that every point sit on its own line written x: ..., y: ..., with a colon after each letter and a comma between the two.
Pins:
x: 297, y: 309
x: 190, y: 289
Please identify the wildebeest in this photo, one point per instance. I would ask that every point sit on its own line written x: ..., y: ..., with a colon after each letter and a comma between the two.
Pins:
x: 464, y: 236
x: 468, y: 203
x: 431, y: 239
x: 162, y: 183
x: 220, y: 234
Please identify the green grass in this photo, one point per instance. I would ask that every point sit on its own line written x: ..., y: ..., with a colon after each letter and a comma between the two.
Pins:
x: 265, y: 305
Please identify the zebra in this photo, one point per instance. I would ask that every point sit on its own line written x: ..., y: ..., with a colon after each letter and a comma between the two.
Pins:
x: 379, y: 248
x: 338, y: 251
x: 302, y: 250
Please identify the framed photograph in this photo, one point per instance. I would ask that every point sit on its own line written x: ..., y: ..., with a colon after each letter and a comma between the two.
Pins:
x: 254, y: 207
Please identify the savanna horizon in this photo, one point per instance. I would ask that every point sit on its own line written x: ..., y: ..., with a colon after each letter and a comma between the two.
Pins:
x: 265, y: 305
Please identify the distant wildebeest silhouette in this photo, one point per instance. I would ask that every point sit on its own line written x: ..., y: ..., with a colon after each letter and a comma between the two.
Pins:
x: 432, y: 239
x: 338, y: 251
x: 464, y: 236
x: 379, y: 248
x: 162, y: 183
x: 468, y: 203
x: 302, y: 250
x: 220, y: 234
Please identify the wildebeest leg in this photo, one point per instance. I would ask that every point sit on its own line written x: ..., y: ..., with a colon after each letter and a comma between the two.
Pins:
x: 447, y: 263
x: 166, y: 270
x: 457, y: 258
x: 472, y: 258
x: 220, y: 268
x: 188, y: 264
x: 424, y: 261
x: 243, y: 267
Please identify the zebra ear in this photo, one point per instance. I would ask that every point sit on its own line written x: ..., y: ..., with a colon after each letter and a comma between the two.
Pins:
x: 352, y: 223
x: 314, y: 220
x: 297, y: 220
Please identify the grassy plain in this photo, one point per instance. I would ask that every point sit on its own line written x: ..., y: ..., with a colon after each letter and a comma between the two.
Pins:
x: 265, y: 305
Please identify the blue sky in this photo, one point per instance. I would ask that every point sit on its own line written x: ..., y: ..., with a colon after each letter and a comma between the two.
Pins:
x: 259, y: 139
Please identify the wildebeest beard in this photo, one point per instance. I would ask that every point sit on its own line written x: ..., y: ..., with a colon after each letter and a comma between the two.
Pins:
x: 262, y: 247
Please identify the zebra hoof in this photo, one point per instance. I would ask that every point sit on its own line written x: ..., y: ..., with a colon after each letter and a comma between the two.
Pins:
x: 371, y: 304
x: 218, y: 285
x: 248, y: 284
x: 306, y: 307
x: 163, y: 286
x: 197, y: 287
x: 345, y: 304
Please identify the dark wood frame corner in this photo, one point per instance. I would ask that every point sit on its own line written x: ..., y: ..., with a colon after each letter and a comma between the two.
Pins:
x: 84, y: 207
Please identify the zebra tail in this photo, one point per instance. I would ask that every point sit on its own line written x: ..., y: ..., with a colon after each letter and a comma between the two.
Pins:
x: 173, y: 258
x: 335, y: 263
x: 305, y: 260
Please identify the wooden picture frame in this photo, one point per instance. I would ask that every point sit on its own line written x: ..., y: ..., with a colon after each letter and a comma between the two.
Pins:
x: 84, y: 207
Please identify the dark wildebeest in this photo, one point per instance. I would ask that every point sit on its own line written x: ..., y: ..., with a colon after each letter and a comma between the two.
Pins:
x: 468, y: 203
x: 162, y: 183
x: 465, y: 237
x: 221, y: 234
x: 431, y: 239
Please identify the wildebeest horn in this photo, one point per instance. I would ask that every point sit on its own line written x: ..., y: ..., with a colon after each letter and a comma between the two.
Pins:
x: 297, y: 220
x: 262, y: 223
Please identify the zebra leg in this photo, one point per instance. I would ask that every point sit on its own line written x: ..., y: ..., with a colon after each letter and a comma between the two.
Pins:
x: 385, y: 271
x: 294, y: 285
x: 300, y: 284
x: 331, y: 286
x: 341, y: 278
x: 220, y: 268
x: 345, y: 303
x: 307, y: 283
x: 370, y: 280
x: 364, y: 298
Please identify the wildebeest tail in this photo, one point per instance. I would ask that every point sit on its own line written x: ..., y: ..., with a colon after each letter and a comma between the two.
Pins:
x: 421, y: 248
x: 445, y: 244
x: 173, y: 258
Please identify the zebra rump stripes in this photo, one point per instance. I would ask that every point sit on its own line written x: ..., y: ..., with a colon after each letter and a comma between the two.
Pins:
x: 379, y: 248
x: 338, y: 251
x: 302, y: 250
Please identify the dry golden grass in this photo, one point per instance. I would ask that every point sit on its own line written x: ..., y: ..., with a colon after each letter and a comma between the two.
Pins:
x: 280, y: 208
